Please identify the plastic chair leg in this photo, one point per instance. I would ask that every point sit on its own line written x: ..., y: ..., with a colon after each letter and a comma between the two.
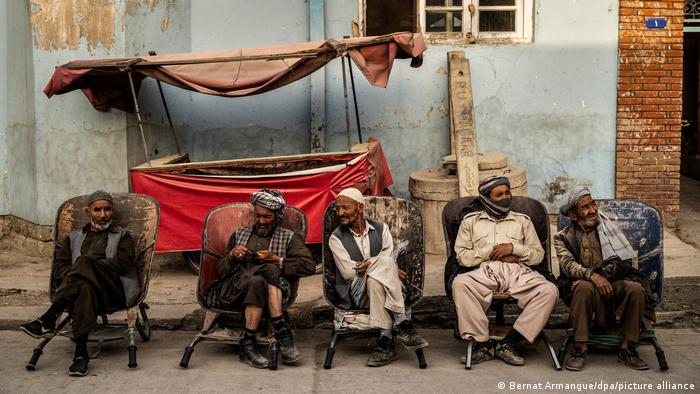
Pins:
x: 421, y: 359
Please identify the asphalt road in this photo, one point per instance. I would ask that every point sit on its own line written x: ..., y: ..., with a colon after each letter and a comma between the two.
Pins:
x: 215, y: 368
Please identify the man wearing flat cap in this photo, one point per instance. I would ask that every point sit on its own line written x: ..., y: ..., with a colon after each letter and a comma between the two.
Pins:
x: 369, y: 277
x: 255, y: 274
x: 93, y: 274
x: 595, y: 258
x: 495, y: 248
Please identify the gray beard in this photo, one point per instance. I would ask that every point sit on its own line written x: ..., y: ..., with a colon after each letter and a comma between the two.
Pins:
x: 101, y: 227
x: 263, y: 233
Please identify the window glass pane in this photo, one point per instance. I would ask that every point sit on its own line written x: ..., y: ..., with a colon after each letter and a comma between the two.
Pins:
x: 435, y: 3
x: 497, y: 21
x: 456, y: 2
x: 456, y: 22
x: 485, y: 3
x: 435, y: 21
x: 389, y: 16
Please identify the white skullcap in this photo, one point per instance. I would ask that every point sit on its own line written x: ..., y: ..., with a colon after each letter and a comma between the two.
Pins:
x: 353, y: 194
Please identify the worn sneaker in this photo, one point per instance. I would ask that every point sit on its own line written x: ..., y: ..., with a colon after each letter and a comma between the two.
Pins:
x: 288, y: 350
x: 577, y: 360
x: 79, y: 367
x: 249, y: 354
x: 630, y: 358
x: 383, y: 354
x: 407, y: 335
x: 507, y: 353
x: 36, y: 329
x: 480, y: 352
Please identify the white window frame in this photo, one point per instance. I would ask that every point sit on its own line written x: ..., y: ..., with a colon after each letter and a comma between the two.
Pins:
x: 470, y: 25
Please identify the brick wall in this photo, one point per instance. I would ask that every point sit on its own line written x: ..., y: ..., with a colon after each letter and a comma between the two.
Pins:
x: 649, y: 106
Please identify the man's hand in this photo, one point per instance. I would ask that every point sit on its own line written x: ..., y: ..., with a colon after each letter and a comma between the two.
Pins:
x: 265, y: 256
x: 239, y: 252
x: 402, y: 274
x: 511, y: 259
x: 362, y: 267
x: 500, y: 251
x: 602, y: 285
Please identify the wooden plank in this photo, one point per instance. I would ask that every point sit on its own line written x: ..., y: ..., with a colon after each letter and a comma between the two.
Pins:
x: 462, y: 122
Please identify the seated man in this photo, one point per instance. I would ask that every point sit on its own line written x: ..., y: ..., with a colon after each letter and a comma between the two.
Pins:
x: 94, y: 273
x: 494, y: 248
x: 362, y: 250
x: 593, y: 253
x: 254, y: 275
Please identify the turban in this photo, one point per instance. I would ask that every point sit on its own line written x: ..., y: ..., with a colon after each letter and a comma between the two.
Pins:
x: 572, y: 198
x: 268, y: 198
x: 353, y: 194
x: 99, y: 195
x: 496, y: 209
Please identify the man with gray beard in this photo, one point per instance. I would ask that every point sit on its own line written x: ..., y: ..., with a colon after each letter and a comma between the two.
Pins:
x: 254, y: 275
x: 93, y: 274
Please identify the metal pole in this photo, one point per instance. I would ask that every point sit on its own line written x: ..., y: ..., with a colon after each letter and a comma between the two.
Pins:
x: 354, y: 99
x: 138, y: 116
x: 165, y: 105
x: 347, y: 110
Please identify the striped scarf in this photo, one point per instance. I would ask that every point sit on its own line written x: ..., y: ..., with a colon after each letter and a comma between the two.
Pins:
x: 495, y: 209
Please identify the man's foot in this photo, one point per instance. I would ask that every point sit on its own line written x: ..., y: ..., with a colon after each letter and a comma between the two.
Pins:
x: 506, y: 352
x: 577, y: 360
x: 407, y: 335
x: 480, y: 352
x: 288, y: 350
x: 37, y: 330
x: 79, y: 366
x: 249, y: 354
x: 630, y: 358
x: 383, y: 354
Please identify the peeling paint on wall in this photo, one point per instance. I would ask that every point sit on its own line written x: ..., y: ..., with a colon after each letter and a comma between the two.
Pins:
x: 59, y: 24
x: 133, y: 5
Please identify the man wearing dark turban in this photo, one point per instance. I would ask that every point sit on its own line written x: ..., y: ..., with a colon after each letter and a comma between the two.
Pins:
x: 93, y: 274
x: 495, y: 247
x: 596, y: 260
x: 254, y: 275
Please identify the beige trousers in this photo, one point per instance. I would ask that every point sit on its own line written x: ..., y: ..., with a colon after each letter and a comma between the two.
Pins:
x: 472, y: 293
x: 381, y: 292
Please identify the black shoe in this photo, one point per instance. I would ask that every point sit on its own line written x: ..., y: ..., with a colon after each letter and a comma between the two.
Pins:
x: 249, y: 354
x: 79, y: 367
x: 37, y: 330
x: 577, y: 360
x: 288, y: 350
x: 407, y: 335
x: 383, y: 354
x: 507, y: 353
x: 480, y: 352
x: 630, y: 358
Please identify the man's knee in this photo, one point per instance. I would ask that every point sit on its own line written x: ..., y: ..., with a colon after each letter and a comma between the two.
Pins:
x: 549, y: 291
x: 584, y: 290
x: 257, y: 283
x: 633, y: 289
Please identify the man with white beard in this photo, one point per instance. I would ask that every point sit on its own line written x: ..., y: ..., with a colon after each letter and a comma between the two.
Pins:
x: 89, y: 271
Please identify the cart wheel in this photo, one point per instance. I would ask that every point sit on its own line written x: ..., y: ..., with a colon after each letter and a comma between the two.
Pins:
x: 329, y: 358
x: 144, y: 330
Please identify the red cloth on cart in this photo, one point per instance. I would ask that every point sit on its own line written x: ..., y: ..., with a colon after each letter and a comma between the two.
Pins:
x: 186, y: 200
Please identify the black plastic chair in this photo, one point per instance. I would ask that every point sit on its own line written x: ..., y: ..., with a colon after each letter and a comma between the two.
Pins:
x: 406, y: 225
x: 642, y: 226
x: 452, y: 216
x: 139, y: 214
x: 220, y: 223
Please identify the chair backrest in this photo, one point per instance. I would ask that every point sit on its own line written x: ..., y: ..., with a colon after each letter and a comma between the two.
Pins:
x: 137, y: 213
x: 454, y: 212
x: 405, y: 222
x: 220, y: 223
x: 642, y: 226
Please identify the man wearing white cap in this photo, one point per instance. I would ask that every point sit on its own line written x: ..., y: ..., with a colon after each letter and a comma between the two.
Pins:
x: 362, y: 250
